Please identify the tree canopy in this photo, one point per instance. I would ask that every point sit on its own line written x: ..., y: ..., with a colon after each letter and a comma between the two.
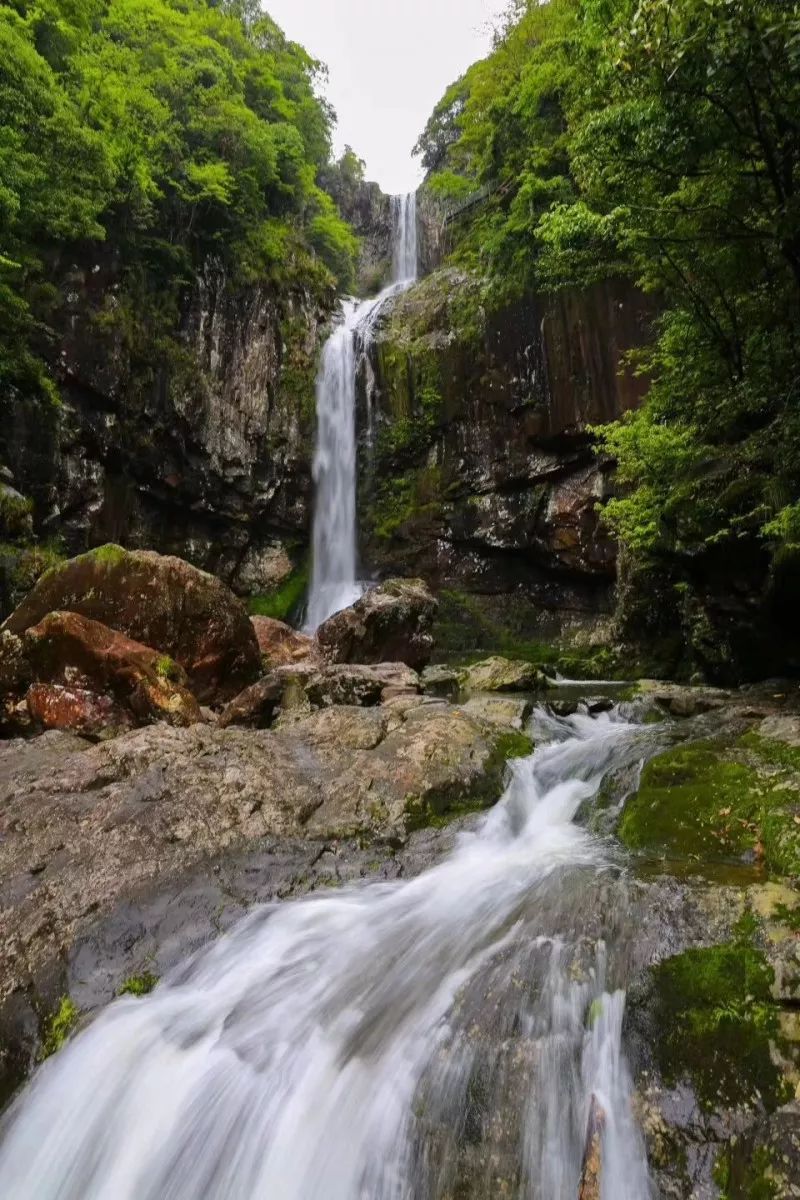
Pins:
x: 176, y: 129
x: 658, y: 139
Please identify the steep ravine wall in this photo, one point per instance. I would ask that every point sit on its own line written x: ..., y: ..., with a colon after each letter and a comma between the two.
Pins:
x: 478, y: 468
x: 198, y: 445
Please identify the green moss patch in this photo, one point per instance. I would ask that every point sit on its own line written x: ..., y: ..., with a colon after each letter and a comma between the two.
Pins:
x: 716, y: 1020
x: 139, y: 985
x: 720, y: 801
x: 284, y: 600
x: 58, y: 1026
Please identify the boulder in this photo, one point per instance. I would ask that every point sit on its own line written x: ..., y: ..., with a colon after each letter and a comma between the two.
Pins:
x: 390, y: 623
x: 90, y: 678
x: 502, y: 675
x: 257, y: 706
x: 158, y: 601
x: 441, y: 681
x: 305, y: 688
x: 508, y: 712
x: 280, y: 645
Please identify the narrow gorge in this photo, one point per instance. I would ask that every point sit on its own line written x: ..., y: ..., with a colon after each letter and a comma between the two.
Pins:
x: 399, y: 666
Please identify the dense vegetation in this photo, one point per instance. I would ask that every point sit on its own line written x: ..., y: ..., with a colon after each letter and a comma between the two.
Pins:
x: 170, y: 131
x: 658, y: 139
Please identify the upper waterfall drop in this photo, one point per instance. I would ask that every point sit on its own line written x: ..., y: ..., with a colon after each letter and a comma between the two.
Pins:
x: 404, y: 221
x: 334, y: 573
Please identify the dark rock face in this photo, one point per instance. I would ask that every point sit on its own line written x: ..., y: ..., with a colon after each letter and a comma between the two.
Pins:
x: 161, y: 602
x: 369, y: 211
x: 479, y: 471
x: 199, y: 445
x: 390, y: 623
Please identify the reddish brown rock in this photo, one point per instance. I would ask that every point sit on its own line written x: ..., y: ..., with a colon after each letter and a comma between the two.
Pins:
x: 79, y: 710
x: 280, y: 644
x: 98, y: 670
x: 390, y: 623
x: 161, y: 602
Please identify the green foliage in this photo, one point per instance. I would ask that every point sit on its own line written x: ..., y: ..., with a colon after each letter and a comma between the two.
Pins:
x: 58, y: 1026
x: 660, y: 141
x: 167, y: 668
x: 177, y: 131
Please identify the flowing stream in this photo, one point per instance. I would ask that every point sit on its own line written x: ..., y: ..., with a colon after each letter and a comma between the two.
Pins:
x: 440, y: 1036
x: 334, y: 574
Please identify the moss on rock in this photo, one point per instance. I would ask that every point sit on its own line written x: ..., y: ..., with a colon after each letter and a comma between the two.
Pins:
x: 139, y: 985
x: 58, y: 1026
x: 285, y: 600
x: 717, y: 1021
x: 723, y: 799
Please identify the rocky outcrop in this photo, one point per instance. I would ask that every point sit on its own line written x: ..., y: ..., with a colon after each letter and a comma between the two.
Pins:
x: 197, y: 444
x: 389, y: 623
x: 479, y: 471
x: 161, y: 602
x: 369, y: 212
x: 89, y: 833
x: 295, y: 690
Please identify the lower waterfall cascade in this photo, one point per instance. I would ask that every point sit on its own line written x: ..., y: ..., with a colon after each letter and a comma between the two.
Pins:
x: 330, y: 1047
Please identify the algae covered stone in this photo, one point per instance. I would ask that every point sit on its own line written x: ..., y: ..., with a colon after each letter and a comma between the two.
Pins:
x: 721, y: 799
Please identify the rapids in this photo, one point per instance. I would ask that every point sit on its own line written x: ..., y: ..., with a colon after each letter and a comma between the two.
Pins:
x: 343, y: 1046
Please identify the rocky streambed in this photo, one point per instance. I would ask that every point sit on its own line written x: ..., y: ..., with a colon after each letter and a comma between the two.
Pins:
x: 148, y: 805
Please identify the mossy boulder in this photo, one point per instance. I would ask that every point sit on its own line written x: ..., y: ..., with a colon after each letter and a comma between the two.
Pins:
x: 716, y: 1025
x: 731, y: 798
x: 160, y: 601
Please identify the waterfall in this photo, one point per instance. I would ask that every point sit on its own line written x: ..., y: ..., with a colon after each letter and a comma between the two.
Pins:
x: 404, y: 221
x: 347, y: 1045
x: 334, y: 574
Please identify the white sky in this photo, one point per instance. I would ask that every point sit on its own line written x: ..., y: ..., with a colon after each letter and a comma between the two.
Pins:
x: 389, y: 63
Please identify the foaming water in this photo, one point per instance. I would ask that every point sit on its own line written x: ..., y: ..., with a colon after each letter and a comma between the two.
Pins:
x: 334, y: 577
x: 327, y: 1049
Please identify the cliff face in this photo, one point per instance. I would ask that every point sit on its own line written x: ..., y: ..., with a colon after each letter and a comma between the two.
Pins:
x: 478, y: 468
x: 197, y: 445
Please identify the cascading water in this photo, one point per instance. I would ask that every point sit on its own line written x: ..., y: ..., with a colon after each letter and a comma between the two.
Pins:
x: 334, y: 577
x: 404, y: 221
x: 360, y: 1045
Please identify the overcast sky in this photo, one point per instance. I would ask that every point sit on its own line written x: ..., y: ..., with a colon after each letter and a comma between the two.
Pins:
x: 389, y: 62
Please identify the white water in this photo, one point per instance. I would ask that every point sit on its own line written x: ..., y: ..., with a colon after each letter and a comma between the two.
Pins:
x: 334, y: 577
x: 318, y: 1051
